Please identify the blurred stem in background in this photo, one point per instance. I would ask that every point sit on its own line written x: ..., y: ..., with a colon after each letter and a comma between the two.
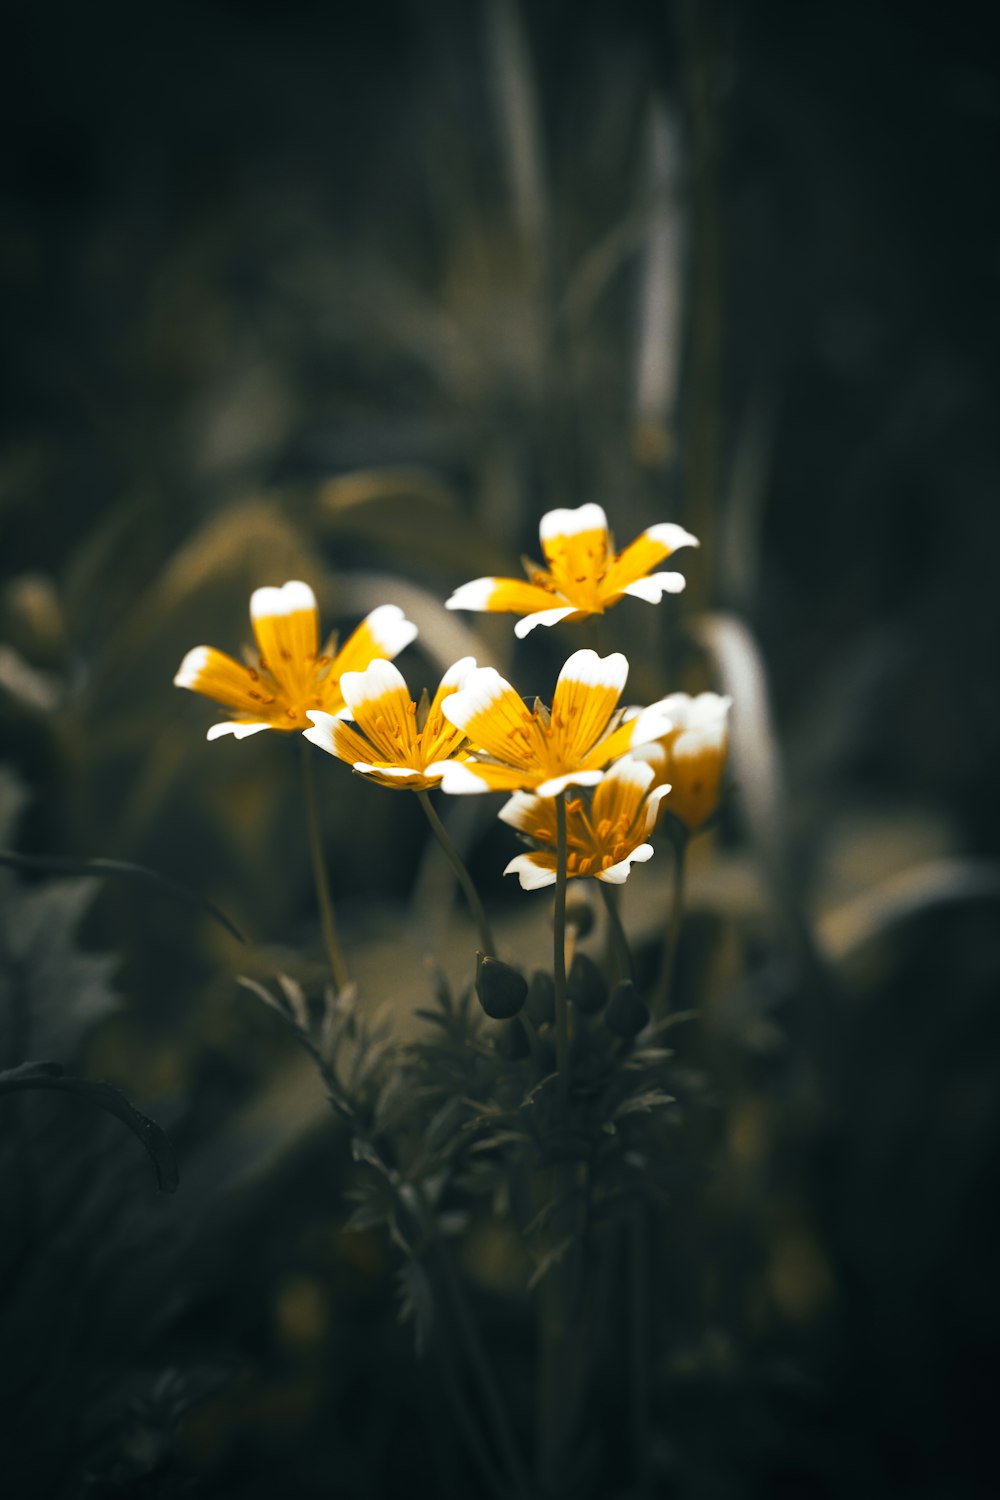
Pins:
x: 700, y: 26
x: 619, y: 940
x: 335, y: 957
x: 663, y: 995
x: 559, y: 957
x: 476, y: 907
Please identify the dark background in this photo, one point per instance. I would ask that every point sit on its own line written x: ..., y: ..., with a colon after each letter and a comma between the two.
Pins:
x: 249, y: 251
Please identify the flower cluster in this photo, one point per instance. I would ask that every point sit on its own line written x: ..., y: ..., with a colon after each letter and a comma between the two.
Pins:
x: 611, y: 769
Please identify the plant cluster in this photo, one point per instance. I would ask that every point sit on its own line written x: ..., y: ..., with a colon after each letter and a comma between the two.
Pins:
x: 551, y: 1106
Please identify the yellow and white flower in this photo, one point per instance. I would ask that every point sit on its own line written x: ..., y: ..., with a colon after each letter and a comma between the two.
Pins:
x: 584, y: 574
x: 604, y: 836
x: 517, y: 748
x: 289, y: 676
x: 692, y: 755
x: 392, y: 740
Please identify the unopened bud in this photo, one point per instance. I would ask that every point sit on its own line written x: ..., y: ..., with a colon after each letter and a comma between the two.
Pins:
x: 627, y: 1013
x: 501, y: 989
x: 585, y: 985
x: 541, y: 998
x: 511, y: 1041
x: 580, y: 914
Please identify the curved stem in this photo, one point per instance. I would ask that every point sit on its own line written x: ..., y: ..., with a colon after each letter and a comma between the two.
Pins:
x: 638, y: 1255
x: 335, y: 957
x: 474, y: 1348
x: 668, y: 964
x: 623, y: 954
x: 559, y: 956
x: 486, y: 939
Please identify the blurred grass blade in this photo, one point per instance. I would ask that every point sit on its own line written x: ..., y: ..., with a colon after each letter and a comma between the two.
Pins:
x: 407, y: 512
x: 117, y: 869
x: 754, y: 753
x: 749, y: 477
x: 658, y: 351
x: 443, y: 636
x: 48, y: 1075
x: 519, y: 118
x: 904, y: 896
x: 756, y: 761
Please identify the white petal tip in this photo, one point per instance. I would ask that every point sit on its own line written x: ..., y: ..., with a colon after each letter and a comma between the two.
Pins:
x: 456, y: 779
x: 473, y: 595
x: 288, y: 600
x: 191, y: 667
x: 527, y: 623
x: 672, y: 536
x: 390, y: 628
x: 533, y: 877
x: 570, y: 522
x: 237, y: 730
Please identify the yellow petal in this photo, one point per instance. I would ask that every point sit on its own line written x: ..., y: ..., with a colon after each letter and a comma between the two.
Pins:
x: 286, y: 626
x: 618, y: 798
x: 576, y: 547
x: 496, y: 720
x: 379, y: 637
x: 503, y: 596
x: 534, y: 816
x: 216, y: 675
x: 643, y: 555
x: 586, y: 696
x: 383, y: 710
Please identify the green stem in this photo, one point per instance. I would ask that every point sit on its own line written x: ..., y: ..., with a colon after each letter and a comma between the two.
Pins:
x: 668, y: 963
x: 639, y: 1310
x: 559, y: 957
x: 486, y: 939
x: 623, y: 955
x: 335, y: 957
x: 474, y: 1349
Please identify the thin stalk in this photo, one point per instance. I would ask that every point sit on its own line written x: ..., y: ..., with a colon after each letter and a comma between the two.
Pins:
x: 486, y: 939
x: 470, y: 1428
x: 639, y: 1319
x: 475, y: 1352
x: 668, y: 964
x: 335, y: 957
x: 559, y: 956
x: 623, y: 954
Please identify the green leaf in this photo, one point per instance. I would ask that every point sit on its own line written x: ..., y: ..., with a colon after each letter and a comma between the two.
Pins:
x: 117, y: 869
x: 49, y: 1075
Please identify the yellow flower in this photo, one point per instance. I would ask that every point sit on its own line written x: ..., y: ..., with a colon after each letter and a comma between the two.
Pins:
x: 692, y: 755
x: 602, y: 839
x: 531, y: 749
x: 289, y: 676
x: 393, y: 740
x: 585, y: 575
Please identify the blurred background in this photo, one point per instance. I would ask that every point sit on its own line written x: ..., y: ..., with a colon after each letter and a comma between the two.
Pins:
x: 354, y: 295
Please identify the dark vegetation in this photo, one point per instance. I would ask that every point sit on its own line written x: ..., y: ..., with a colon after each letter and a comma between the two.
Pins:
x: 355, y: 294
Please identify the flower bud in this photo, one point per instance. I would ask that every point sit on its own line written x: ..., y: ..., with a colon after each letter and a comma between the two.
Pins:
x: 627, y: 1013
x: 580, y: 914
x: 511, y: 1041
x: 542, y: 998
x: 585, y: 985
x: 691, y: 759
x: 501, y: 989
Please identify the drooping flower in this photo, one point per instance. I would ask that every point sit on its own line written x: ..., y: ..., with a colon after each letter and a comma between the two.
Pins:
x: 584, y: 574
x: 392, y: 740
x: 604, y: 834
x: 692, y: 755
x: 289, y: 675
x: 517, y: 748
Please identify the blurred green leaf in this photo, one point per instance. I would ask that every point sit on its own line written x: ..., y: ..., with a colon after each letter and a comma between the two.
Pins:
x: 49, y: 1075
x: 117, y: 869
